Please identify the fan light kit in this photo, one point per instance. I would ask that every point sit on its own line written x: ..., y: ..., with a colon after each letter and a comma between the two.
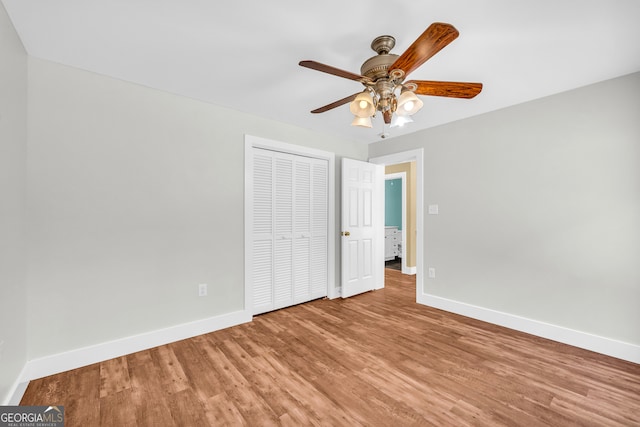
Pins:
x: 383, y: 77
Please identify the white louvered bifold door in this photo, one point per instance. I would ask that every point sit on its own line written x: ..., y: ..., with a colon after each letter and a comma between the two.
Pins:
x: 290, y: 221
x: 262, y: 231
x: 302, y: 230
x: 319, y: 228
x: 283, y: 248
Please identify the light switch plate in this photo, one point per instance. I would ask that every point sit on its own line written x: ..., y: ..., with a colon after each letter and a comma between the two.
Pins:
x: 202, y: 289
x: 433, y: 209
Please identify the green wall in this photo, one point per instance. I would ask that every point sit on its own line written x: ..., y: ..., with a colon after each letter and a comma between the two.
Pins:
x: 393, y: 202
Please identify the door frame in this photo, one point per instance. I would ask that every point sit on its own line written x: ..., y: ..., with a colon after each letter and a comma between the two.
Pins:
x: 251, y: 142
x: 416, y: 155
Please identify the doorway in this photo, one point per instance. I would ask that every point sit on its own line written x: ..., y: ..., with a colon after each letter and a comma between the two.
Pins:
x: 395, y: 221
x: 417, y: 233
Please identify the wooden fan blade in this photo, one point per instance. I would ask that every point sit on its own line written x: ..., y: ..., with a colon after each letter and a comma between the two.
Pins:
x: 450, y: 89
x: 335, y: 104
x: 434, y: 38
x: 333, y: 70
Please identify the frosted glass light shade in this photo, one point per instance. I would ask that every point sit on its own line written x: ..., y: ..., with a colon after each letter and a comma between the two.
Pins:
x: 399, y: 121
x: 408, y: 104
x: 362, y: 121
x: 362, y: 106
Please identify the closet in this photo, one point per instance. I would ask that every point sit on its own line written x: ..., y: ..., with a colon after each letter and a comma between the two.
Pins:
x: 290, y: 239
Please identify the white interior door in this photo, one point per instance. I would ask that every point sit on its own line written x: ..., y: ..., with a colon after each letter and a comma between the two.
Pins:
x: 362, y: 227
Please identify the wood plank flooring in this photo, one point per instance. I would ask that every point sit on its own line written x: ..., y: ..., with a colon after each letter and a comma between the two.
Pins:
x: 377, y: 359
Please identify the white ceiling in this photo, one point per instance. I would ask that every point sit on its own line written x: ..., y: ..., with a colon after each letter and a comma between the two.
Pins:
x: 244, y: 54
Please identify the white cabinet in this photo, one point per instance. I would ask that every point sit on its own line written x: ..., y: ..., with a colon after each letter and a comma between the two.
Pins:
x: 392, y: 242
x: 290, y: 214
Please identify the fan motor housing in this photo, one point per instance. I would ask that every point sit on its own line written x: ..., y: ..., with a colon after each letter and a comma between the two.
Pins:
x: 378, y: 66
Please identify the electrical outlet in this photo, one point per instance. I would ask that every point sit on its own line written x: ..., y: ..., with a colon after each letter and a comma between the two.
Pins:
x: 432, y: 273
x: 202, y: 290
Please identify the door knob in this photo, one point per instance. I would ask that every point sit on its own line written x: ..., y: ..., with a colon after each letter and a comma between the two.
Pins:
x: 346, y: 233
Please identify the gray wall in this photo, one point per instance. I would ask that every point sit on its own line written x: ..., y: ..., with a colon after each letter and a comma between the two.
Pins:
x: 13, y: 143
x: 135, y: 196
x: 539, y: 208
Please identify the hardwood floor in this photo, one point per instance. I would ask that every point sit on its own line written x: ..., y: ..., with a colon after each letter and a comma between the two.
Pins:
x: 377, y: 359
x: 394, y: 264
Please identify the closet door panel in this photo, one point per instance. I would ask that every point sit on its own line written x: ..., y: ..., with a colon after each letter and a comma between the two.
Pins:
x: 262, y: 232
x: 302, y: 230
x: 319, y: 265
x: 283, y: 208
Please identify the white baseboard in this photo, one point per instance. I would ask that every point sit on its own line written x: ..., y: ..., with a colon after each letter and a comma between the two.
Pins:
x: 56, y: 363
x: 409, y: 270
x: 16, y: 393
x: 16, y: 390
x: 599, y: 344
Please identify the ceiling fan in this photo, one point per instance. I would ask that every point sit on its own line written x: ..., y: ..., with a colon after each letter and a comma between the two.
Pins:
x: 383, y: 77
